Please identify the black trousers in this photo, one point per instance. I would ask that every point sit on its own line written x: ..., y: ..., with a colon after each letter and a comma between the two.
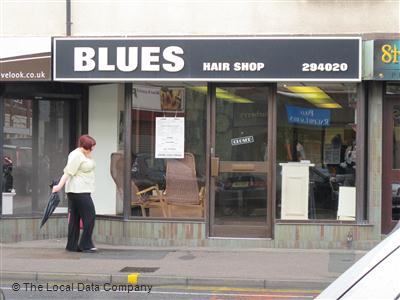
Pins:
x: 80, y: 206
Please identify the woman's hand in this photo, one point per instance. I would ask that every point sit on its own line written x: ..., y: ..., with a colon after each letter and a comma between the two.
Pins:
x: 60, y: 184
x: 56, y: 189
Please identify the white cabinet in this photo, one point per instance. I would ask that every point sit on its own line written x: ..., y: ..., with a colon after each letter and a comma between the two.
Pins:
x: 347, y: 203
x: 294, y: 196
x: 7, y: 207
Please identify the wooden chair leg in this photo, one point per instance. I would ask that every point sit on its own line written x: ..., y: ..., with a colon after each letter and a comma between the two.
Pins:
x: 163, y: 210
x: 143, y: 211
x: 169, y: 210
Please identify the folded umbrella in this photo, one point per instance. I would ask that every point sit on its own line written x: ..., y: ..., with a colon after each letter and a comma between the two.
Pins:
x: 53, y: 202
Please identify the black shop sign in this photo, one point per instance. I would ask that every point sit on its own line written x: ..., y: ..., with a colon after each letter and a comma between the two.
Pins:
x: 208, y: 59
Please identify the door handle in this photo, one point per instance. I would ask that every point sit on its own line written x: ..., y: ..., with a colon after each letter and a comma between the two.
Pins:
x: 243, y: 167
x: 214, y: 166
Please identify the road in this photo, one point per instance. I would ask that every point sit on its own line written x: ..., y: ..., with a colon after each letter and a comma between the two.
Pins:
x: 156, y: 293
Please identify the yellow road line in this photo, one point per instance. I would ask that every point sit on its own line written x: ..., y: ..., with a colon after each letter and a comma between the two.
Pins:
x: 234, y: 289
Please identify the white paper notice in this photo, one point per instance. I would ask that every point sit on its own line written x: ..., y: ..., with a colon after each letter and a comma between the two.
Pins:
x: 170, y: 137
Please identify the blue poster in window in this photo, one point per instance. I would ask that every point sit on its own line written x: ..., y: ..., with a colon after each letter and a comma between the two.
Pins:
x: 308, y: 116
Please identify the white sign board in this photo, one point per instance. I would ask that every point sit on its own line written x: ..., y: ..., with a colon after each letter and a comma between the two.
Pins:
x: 170, y: 137
x: 347, y: 203
x: 242, y: 140
x: 146, y: 98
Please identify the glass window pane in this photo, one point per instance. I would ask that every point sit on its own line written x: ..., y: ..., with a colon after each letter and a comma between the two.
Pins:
x: 17, y: 151
x: 181, y: 181
x: 317, y: 124
x: 240, y: 198
x: 53, y: 140
x: 241, y: 123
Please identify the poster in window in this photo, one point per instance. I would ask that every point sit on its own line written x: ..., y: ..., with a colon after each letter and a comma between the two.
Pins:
x: 331, y: 154
x: 172, y: 99
x: 170, y: 137
x: 333, y: 144
x: 158, y: 98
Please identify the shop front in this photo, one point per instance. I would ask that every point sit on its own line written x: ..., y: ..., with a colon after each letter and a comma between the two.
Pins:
x: 247, y: 142
x: 242, y: 137
x: 40, y: 120
x: 384, y: 68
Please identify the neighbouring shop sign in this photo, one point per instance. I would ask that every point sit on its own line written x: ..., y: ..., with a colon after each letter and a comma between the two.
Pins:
x: 25, y: 59
x: 381, y: 60
x: 170, y: 137
x: 308, y: 116
x: 208, y: 59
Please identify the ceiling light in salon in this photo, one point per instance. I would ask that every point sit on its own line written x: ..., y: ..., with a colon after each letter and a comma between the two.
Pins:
x: 314, y: 95
x: 222, y: 95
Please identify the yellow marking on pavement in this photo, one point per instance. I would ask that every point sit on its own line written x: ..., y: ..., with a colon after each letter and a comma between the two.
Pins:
x: 133, y: 278
x: 234, y: 289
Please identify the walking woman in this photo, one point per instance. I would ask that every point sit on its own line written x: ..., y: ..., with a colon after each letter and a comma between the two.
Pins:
x: 79, y: 184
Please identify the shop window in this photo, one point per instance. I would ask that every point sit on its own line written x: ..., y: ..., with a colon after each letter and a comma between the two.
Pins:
x: 396, y: 162
x: 168, y: 150
x: 316, y: 133
x: 392, y: 88
x: 36, y: 140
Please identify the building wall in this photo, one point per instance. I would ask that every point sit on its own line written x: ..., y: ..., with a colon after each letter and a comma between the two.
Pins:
x: 32, y: 18
x: 193, y: 234
x: 103, y: 126
x: 182, y: 234
x: 218, y: 17
x: 28, y: 229
x: 374, y: 176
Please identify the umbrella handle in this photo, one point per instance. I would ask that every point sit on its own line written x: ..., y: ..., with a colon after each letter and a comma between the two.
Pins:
x: 53, y: 183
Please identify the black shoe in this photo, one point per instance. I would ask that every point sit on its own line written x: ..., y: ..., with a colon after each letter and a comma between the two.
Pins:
x: 76, y: 250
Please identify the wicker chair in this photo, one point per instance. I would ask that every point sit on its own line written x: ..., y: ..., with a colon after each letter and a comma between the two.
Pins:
x: 181, y: 185
x: 144, y: 198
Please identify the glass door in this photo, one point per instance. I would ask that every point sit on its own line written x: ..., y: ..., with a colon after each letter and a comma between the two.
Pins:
x: 240, y: 161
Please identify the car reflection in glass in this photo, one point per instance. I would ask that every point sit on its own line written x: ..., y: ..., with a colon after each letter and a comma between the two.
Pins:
x: 241, y: 195
x: 396, y: 201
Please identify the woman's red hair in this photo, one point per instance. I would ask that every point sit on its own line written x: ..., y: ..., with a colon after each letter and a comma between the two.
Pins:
x: 86, y: 142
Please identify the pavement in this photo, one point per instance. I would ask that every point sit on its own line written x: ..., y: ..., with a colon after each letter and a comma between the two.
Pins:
x: 48, y: 261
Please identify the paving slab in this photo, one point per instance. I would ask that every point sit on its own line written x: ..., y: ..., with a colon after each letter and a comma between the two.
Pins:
x: 47, y: 260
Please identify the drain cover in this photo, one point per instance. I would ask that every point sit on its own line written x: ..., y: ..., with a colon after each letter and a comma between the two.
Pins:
x: 187, y: 257
x: 138, y: 270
